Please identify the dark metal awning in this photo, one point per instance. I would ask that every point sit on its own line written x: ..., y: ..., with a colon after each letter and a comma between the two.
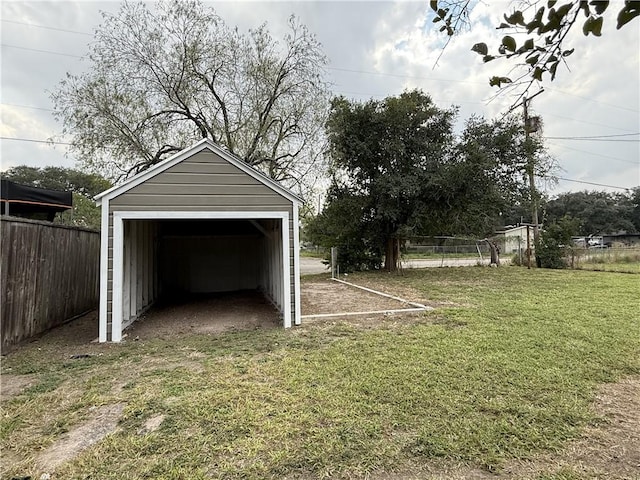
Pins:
x: 22, y: 199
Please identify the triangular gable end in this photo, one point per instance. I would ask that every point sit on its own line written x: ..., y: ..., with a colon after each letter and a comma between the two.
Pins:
x: 187, y: 153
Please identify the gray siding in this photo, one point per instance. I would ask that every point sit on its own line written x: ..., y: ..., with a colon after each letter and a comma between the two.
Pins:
x: 203, y: 180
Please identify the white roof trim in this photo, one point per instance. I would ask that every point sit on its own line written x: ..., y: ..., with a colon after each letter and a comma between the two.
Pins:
x: 203, y: 144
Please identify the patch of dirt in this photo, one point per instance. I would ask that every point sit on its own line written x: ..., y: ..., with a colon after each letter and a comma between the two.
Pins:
x: 151, y: 425
x: 79, y: 331
x: 208, y: 314
x: 217, y: 313
x: 608, y: 449
x: 402, y: 290
x: 12, y: 385
x: 104, y: 421
x: 328, y: 296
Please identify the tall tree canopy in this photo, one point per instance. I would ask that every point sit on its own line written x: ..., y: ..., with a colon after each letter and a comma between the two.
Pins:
x: 162, y: 78
x: 388, y: 152
x: 489, y: 174
x: 399, y: 171
x: 546, y: 26
x: 597, y: 212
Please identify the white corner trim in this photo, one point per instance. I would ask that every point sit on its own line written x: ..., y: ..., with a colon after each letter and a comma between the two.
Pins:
x: 104, y: 271
x: 118, y: 250
x: 286, y: 277
x: 296, y: 264
x: 116, y: 304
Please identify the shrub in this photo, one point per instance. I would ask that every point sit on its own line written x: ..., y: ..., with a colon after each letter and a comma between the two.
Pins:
x: 554, y: 243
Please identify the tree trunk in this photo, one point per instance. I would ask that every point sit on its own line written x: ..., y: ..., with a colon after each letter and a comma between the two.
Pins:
x: 392, y: 254
x: 495, y: 252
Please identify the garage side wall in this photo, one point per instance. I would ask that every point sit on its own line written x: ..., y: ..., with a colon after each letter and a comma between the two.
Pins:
x: 204, y: 182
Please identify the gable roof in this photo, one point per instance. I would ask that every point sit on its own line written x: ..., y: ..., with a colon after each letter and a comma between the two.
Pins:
x: 204, y: 144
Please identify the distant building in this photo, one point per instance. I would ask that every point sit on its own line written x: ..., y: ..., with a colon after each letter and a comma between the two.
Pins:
x: 514, y: 238
x: 621, y: 239
x: 32, y: 202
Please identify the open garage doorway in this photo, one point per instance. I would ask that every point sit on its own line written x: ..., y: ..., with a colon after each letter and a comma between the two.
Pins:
x: 211, y: 275
x: 174, y: 257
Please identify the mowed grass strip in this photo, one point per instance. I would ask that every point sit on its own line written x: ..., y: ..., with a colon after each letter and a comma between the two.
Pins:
x: 509, y: 373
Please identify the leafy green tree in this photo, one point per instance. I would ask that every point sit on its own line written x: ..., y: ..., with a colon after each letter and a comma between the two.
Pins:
x: 635, y: 208
x: 555, y: 242
x: 386, y: 154
x: 596, y: 212
x: 344, y: 223
x: 487, y: 177
x: 84, y: 186
x: 163, y: 78
x: 59, y: 178
x: 399, y: 172
x: 546, y: 26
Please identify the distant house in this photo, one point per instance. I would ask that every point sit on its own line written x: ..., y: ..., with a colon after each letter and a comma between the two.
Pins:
x: 621, y: 239
x: 32, y: 202
x: 515, y: 238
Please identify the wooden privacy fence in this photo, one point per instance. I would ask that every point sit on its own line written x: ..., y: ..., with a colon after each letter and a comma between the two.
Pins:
x: 50, y: 274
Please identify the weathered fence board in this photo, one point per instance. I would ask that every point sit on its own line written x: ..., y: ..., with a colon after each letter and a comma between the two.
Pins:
x: 49, y: 274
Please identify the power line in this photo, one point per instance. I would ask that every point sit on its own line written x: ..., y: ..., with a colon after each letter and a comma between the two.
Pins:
x: 28, y: 106
x: 583, y: 121
x: 593, y: 137
x: 592, y: 100
x: 398, y: 75
x: 49, y: 142
x: 585, y: 182
x: 595, y: 154
x: 46, y: 27
x: 341, y: 69
x: 40, y: 51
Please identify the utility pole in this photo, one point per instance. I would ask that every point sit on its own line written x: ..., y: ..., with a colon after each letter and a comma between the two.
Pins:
x: 531, y: 166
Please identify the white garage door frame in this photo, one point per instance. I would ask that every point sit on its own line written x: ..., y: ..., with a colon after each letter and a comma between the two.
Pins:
x: 118, y: 265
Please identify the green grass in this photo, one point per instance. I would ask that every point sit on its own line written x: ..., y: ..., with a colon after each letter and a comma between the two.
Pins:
x: 625, y: 260
x: 508, y: 373
x: 313, y: 254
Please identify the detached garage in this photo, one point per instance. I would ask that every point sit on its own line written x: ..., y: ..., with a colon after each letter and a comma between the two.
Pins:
x: 202, y: 221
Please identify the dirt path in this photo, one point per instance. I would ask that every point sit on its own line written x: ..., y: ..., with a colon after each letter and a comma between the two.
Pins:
x: 327, y: 296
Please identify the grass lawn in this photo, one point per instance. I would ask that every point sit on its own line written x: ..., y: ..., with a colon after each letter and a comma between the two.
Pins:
x: 506, y: 368
x: 625, y: 260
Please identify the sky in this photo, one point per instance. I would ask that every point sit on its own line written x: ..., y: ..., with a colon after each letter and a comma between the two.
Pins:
x: 375, y: 49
